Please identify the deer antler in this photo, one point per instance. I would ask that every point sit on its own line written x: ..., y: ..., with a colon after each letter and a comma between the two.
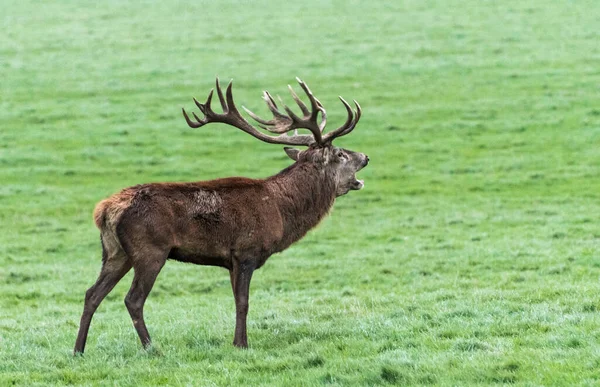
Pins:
x: 348, y: 126
x: 280, y: 123
x: 232, y: 116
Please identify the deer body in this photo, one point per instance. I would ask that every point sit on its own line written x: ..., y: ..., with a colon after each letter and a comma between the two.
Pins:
x: 214, y: 222
x: 235, y: 223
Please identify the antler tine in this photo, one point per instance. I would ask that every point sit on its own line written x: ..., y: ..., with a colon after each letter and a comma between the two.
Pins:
x: 349, y: 125
x: 230, y: 107
x: 273, y: 125
x: 200, y: 120
x: 255, y: 117
x: 270, y: 101
x: 316, y: 105
x: 358, y: 113
x: 313, y: 101
x: 323, y: 120
x: 220, y: 94
x: 349, y: 111
x: 191, y: 123
x: 323, y: 115
x: 299, y: 101
x: 281, y: 123
x: 232, y: 116
x: 289, y: 111
x: 204, y: 108
x: 273, y: 107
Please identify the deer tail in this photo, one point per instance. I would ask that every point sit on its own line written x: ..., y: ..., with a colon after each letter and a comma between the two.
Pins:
x: 100, y: 213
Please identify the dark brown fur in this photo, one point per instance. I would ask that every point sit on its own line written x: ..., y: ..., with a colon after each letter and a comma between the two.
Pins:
x: 235, y: 223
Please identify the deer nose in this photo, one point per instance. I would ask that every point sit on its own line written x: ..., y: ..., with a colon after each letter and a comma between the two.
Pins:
x: 366, y: 160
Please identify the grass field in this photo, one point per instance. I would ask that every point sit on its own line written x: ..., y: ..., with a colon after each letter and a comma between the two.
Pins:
x: 470, y: 258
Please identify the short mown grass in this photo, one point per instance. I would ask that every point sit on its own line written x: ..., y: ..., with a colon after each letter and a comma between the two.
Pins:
x: 470, y: 258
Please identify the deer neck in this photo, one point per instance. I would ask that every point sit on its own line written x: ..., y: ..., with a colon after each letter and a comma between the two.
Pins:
x: 304, y: 195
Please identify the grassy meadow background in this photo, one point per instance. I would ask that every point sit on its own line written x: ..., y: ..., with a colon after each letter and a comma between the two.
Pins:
x: 470, y: 258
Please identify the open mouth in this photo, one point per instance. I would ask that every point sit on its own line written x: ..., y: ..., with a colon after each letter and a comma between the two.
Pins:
x: 357, y: 184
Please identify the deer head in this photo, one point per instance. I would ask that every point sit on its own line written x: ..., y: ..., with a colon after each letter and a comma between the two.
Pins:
x: 340, y: 164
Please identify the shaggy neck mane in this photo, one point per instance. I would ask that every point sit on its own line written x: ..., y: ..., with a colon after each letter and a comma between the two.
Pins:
x: 304, y: 195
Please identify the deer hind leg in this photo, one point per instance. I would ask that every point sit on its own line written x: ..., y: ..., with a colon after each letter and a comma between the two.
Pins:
x: 146, y: 270
x: 115, y: 264
x: 241, y: 274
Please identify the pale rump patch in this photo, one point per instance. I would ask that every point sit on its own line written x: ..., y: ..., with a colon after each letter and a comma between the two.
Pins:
x: 109, y: 210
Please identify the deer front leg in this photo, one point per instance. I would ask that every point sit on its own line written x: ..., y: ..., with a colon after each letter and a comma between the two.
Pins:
x: 241, y: 274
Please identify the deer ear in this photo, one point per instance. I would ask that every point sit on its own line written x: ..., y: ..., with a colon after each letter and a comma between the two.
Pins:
x: 292, y: 153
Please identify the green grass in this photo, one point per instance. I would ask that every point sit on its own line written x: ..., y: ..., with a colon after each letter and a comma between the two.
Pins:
x: 470, y: 258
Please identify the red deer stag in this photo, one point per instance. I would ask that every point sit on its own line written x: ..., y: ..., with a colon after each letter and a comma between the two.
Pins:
x: 236, y: 223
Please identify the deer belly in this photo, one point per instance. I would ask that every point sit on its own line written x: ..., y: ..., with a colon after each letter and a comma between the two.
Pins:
x: 199, y: 258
